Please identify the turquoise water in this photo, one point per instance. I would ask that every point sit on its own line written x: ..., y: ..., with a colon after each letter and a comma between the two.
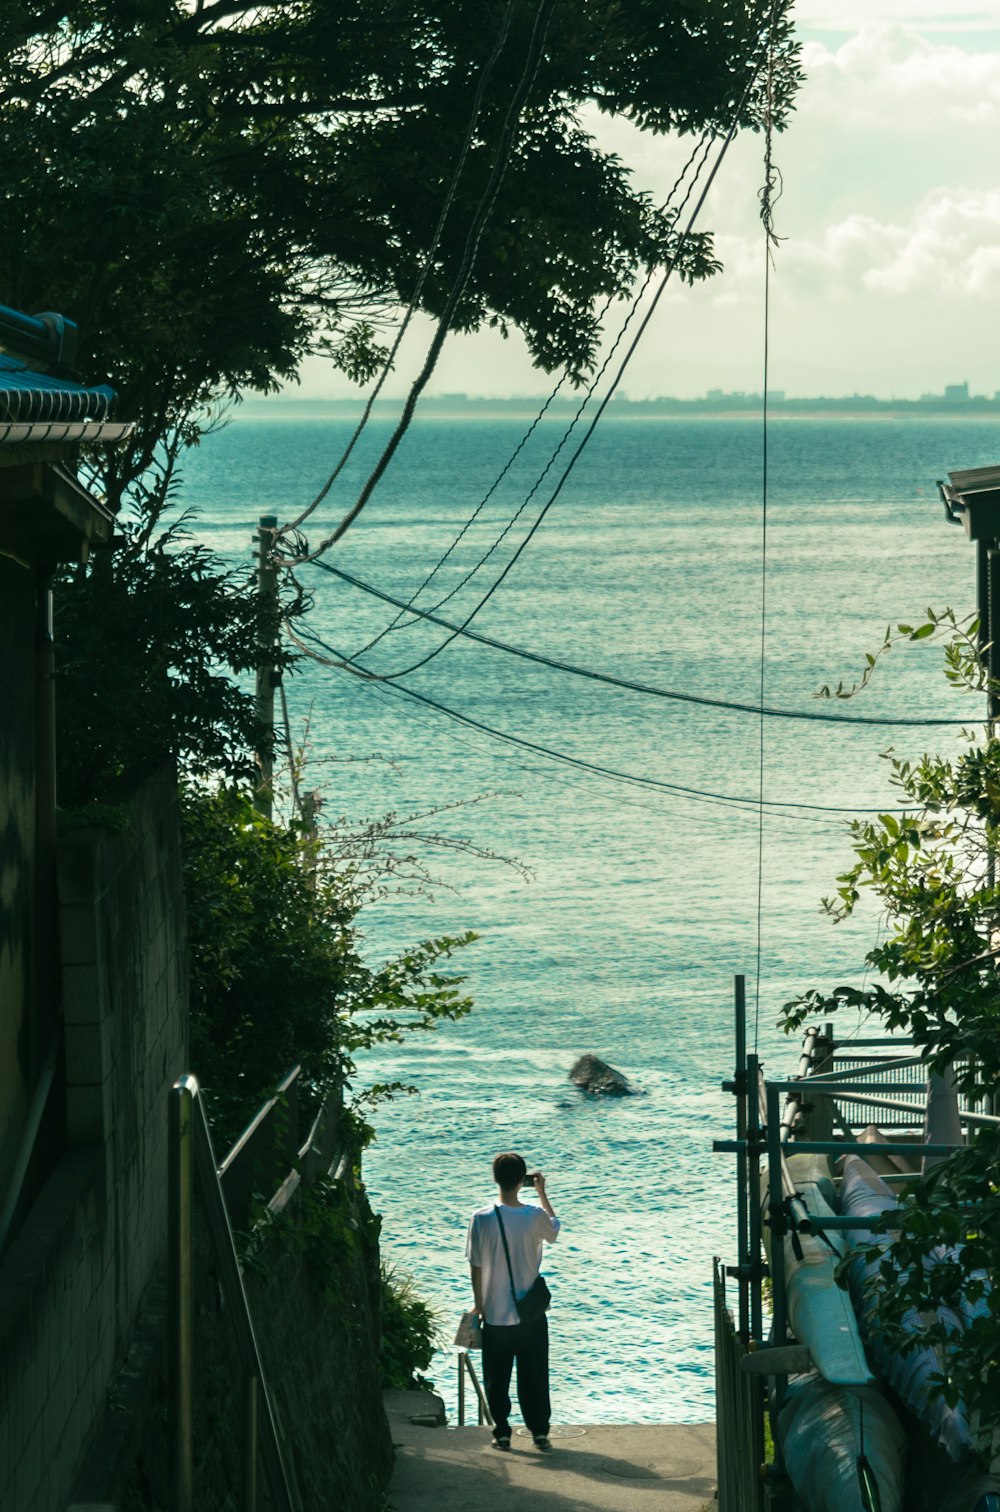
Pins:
x: 642, y: 903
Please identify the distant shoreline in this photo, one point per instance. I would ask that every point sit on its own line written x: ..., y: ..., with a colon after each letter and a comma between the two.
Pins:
x: 459, y: 408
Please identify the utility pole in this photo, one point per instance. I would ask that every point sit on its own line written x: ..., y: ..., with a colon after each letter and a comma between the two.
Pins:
x: 267, y: 603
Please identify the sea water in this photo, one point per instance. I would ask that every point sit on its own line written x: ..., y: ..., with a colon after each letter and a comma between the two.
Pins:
x: 639, y: 903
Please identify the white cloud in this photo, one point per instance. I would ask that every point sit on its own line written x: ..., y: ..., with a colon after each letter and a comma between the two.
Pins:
x: 892, y: 78
x: 930, y: 15
x: 951, y: 248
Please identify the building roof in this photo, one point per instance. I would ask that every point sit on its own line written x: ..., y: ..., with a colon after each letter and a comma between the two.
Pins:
x: 34, y: 398
x: 40, y: 398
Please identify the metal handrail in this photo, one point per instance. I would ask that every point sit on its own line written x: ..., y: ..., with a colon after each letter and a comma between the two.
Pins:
x: 190, y: 1154
x: 466, y: 1365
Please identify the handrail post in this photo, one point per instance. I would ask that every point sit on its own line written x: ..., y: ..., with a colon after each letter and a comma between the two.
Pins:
x: 250, y: 1427
x: 461, y: 1388
x: 180, y: 1263
x: 221, y: 1234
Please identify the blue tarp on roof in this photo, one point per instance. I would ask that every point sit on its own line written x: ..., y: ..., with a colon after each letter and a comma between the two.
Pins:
x: 36, y: 397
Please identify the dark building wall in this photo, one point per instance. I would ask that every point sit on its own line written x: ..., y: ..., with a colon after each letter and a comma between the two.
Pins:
x: 75, y: 1276
x: 18, y: 1059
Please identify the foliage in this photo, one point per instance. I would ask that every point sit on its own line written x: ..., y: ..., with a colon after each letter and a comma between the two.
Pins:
x: 277, y: 978
x: 329, y: 1221
x: 213, y: 190
x: 409, y: 1330
x: 144, y: 654
x: 932, y: 868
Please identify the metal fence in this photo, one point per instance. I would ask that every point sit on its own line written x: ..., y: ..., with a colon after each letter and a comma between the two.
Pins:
x: 268, y: 1158
x: 739, y: 1414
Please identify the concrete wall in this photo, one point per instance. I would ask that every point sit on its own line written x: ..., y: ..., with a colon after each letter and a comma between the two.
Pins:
x: 315, y: 1308
x: 74, y: 1278
x: 17, y: 853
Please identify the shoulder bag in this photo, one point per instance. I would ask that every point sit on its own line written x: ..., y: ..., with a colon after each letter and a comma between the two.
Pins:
x: 535, y: 1302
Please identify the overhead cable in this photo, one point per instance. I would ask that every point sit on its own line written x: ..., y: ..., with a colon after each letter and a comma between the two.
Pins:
x: 707, y: 138
x: 505, y: 149
x: 737, y: 801
x: 650, y: 689
x: 574, y: 458
x: 701, y: 148
x: 387, y: 366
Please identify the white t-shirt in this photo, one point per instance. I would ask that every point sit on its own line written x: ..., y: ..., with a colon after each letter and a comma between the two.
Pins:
x: 526, y: 1228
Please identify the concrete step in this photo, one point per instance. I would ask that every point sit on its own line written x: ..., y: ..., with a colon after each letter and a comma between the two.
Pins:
x: 608, y: 1467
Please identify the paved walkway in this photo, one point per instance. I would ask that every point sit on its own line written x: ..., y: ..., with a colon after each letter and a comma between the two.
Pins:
x: 609, y: 1468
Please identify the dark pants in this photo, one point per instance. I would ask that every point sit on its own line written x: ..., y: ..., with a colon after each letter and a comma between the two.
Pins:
x: 528, y: 1344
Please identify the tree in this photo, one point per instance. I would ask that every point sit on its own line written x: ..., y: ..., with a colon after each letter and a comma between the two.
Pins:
x: 146, y: 658
x: 277, y: 976
x: 214, y: 188
x: 933, y: 869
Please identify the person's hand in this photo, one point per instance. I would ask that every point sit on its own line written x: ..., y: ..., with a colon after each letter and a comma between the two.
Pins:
x: 538, y: 1182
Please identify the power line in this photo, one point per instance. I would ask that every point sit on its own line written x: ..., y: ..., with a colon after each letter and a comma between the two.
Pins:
x: 701, y: 794
x: 606, y: 400
x: 387, y: 366
x: 767, y: 195
x: 702, y: 146
x: 619, y: 374
x: 501, y: 162
x: 649, y: 689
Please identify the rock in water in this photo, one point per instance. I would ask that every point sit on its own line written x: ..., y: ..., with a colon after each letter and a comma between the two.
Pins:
x: 597, y: 1078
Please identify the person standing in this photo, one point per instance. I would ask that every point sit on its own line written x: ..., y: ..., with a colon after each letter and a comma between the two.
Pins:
x: 506, y: 1340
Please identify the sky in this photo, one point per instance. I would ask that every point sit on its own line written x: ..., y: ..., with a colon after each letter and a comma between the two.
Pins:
x: 887, y: 280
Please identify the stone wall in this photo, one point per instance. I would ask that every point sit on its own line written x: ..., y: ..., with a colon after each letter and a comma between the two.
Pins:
x: 313, y: 1292
x: 74, y: 1279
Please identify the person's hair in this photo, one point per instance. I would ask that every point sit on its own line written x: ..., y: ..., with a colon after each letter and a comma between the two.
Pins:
x: 509, y: 1170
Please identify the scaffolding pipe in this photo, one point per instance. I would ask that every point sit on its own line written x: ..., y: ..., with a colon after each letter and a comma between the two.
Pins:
x: 746, y: 1258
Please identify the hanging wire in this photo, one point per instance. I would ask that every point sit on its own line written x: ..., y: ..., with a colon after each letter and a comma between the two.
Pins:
x: 308, y: 641
x: 708, y: 138
x: 350, y: 664
x: 592, y: 426
x: 505, y: 150
x: 477, y: 103
x: 701, y: 148
x: 769, y: 194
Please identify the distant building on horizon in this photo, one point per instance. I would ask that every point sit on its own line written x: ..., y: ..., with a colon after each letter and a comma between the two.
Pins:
x: 956, y: 393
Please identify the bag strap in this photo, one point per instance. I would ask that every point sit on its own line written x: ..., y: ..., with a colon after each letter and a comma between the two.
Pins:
x: 510, y: 1268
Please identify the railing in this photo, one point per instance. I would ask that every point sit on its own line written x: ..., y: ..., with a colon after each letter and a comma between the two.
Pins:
x: 739, y: 1443
x: 190, y: 1157
x: 270, y: 1156
x: 836, y: 1086
x: 466, y: 1367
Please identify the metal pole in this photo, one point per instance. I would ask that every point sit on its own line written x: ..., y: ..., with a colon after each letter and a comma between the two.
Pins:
x: 753, y: 1191
x: 461, y: 1389
x: 220, y: 1231
x: 744, y: 1257
x: 779, y: 1299
x: 180, y: 1308
x: 776, y: 1194
x: 754, y: 1247
x: 267, y: 597
x: 484, y: 1410
x: 250, y: 1407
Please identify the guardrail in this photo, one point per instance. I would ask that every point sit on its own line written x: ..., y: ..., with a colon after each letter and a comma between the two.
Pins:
x: 466, y: 1367
x: 191, y: 1158
x: 835, y: 1087
x: 739, y: 1441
